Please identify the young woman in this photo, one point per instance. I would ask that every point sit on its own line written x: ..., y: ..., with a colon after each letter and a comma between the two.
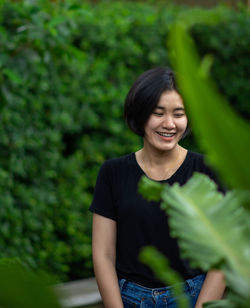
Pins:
x: 124, y: 222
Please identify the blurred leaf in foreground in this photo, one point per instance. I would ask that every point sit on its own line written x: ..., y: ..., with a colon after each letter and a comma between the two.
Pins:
x: 160, y: 266
x: 223, y: 135
x: 151, y: 190
x: 20, y: 289
x: 217, y: 227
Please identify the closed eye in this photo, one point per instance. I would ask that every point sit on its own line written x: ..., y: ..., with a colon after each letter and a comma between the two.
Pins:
x: 178, y: 115
x: 158, y: 114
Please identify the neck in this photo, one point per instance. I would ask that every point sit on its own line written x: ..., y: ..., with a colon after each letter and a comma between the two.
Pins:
x: 154, y: 157
x: 160, y: 165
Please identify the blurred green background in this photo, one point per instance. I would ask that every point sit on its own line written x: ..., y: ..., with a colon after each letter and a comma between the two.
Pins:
x: 65, y: 69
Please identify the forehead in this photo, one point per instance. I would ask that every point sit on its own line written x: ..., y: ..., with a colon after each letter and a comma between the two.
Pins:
x: 170, y: 99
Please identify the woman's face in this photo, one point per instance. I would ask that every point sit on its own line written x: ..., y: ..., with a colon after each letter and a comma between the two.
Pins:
x: 167, y: 123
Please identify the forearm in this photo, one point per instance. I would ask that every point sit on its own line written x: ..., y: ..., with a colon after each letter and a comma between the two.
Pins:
x: 107, y: 281
x: 212, y: 289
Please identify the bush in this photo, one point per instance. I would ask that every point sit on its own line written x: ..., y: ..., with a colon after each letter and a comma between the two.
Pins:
x: 65, y: 69
x: 229, y: 45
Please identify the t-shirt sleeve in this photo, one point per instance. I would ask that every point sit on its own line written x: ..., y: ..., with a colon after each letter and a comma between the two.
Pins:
x: 103, y: 200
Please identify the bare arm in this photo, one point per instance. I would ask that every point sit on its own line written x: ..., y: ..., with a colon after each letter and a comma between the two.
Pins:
x: 104, y: 257
x: 212, y: 289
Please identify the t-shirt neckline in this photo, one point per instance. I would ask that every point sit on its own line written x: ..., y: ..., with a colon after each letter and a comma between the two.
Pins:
x: 176, y: 173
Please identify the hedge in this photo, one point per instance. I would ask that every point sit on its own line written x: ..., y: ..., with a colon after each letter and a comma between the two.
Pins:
x: 65, y: 68
x: 229, y: 44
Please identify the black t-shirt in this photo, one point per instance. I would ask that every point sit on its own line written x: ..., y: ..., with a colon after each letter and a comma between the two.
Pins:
x: 140, y: 222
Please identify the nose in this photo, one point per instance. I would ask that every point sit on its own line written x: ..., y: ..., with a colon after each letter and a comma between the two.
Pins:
x: 168, y: 122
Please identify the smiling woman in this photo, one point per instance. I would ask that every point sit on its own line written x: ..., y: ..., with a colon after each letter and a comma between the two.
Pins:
x: 163, y: 130
x: 167, y: 124
x: 124, y: 222
x: 154, y: 109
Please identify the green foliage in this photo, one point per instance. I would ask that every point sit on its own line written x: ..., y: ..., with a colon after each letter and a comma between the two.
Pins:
x: 60, y: 71
x: 4, y: 262
x: 230, y: 70
x: 218, y: 226
x: 19, y: 289
x: 215, y: 223
x: 163, y: 271
x: 151, y: 190
x: 65, y: 68
x: 227, y: 140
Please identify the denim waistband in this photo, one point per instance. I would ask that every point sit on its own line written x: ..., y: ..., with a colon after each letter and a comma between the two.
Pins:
x: 123, y: 283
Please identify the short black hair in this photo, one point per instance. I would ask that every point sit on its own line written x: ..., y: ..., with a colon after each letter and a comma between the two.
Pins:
x: 144, y: 96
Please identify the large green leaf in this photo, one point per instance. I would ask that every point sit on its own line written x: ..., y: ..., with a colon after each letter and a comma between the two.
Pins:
x: 216, y: 224
x: 222, y: 134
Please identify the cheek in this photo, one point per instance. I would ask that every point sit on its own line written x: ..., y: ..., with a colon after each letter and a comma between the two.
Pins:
x: 184, y: 123
x: 151, y: 124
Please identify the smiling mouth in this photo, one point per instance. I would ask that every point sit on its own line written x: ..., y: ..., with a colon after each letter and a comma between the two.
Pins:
x: 165, y: 134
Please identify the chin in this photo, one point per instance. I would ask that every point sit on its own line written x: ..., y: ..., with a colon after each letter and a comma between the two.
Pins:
x: 165, y: 148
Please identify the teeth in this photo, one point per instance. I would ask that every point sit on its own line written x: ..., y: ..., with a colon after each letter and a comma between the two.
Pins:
x: 165, y: 135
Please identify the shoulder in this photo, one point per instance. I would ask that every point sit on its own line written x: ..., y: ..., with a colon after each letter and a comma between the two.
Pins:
x: 195, y: 155
x: 117, y: 165
x: 119, y: 162
x: 196, y: 160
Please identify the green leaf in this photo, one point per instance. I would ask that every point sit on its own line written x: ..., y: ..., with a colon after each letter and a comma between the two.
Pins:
x: 151, y: 190
x: 217, y: 227
x: 224, y: 303
x: 160, y: 266
x: 13, y: 76
x: 56, y: 21
x: 19, y: 289
x: 222, y: 134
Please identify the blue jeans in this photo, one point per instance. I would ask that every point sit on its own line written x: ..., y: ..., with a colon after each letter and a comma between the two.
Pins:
x: 136, y: 296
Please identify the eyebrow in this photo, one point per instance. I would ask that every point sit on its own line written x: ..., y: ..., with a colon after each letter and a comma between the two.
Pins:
x: 176, y: 109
